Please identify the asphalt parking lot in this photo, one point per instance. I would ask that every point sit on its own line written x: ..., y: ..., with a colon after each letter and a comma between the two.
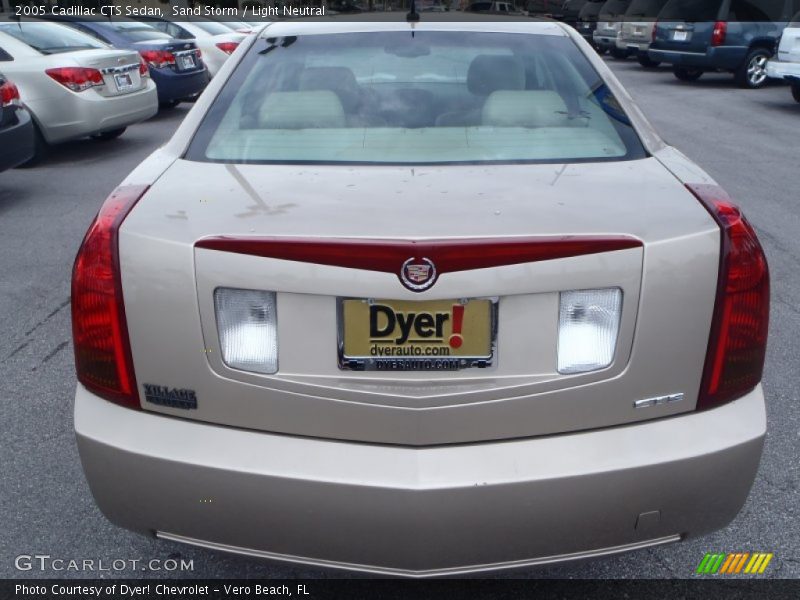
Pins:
x: 747, y: 140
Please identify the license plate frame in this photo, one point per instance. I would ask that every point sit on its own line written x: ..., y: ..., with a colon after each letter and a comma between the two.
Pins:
x: 123, y: 81
x: 680, y: 36
x: 477, y: 347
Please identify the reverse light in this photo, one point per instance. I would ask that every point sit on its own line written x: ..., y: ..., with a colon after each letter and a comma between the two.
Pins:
x: 158, y: 59
x: 99, y: 329
x: 77, y: 79
x: 9, y: 95
x: 228, y: 47
x: 719, y: 34
x: 247, y: 328
x: 738, y: 339
x: 588, y: 324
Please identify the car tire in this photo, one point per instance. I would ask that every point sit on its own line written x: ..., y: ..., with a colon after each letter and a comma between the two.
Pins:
x: 109, y: 135
x: 619, y: 53
x: 753, y: 72
x: 796, y: 91
x: 168, y: 105
x: 40, y: 149
x: 687, y: 74
x: 601, y: 51
x: 647, y: 62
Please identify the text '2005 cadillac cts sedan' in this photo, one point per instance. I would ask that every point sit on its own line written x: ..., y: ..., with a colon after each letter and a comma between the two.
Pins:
x: 419, y: 300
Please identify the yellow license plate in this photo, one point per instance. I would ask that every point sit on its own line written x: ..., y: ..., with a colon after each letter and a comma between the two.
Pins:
x: 399, y: 335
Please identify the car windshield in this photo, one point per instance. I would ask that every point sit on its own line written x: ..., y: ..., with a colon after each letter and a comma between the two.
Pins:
x: 435, y: 97
x: 591, y: 9
x: 690, y: 10
x: 138, y: 32
x: 212, y: 27
x: 645, y: 8
x: 50, y: 38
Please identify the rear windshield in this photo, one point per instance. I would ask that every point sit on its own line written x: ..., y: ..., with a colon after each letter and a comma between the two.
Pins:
x: 691, y: 10
x: 138, y: 32
x: 645, y: 8
x: 435, y: 97
x: 614, y: 8
x: 50, y: 38
x: 795, y: 21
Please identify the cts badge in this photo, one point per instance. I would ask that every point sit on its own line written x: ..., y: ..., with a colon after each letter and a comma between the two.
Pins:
x: 418, y: 274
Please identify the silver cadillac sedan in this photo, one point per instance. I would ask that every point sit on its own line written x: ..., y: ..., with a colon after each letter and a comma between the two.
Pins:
x: 419, y: 299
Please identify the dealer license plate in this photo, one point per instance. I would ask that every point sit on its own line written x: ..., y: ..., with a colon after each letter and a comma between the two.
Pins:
x: 123, y: 81
x: 399, y: 335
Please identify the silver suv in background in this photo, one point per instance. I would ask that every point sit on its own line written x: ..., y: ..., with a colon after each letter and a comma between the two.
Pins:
x: 787, y: 65
x: 608, y: 25
x: 636, y: 29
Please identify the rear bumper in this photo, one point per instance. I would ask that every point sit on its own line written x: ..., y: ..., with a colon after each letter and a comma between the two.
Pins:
x: 16, y: 141
x: 633, y: 44
x: 723, y: 57
x: 783, y: 70
x: 421, y: 511
x: 68, y: 115
x: 179, y: 86
x: 605, y: 41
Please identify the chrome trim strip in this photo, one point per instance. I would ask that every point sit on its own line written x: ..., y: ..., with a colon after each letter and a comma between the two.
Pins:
x: 184, y: 52
x: 558, y: 558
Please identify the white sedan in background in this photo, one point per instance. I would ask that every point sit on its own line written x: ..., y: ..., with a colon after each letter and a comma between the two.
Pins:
x: 216, y: 41
x: 74, y: 85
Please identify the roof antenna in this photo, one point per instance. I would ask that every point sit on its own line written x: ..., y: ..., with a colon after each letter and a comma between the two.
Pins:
x: 413, y: 15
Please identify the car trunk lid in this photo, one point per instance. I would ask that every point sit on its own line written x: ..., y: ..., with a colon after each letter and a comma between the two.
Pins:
x: 120, y: 69
x: 169, y: 284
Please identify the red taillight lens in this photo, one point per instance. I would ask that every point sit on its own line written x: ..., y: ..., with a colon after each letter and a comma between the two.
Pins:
x: 738, y: 340
x: 9, y: 94
x: 144, y: 70
x: 99, y: 330
x: 653, y: 33
x: 158, y: 59
x: 228, y: 47
x: 199, y: 54
x: 719, y: 34
x: 77, y: 79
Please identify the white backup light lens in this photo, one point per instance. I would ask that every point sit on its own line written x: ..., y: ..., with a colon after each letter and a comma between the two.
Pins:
x: 247, y: 326
x: 588, y: 324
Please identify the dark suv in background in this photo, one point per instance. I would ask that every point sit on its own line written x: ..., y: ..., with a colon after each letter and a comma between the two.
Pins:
x: 738, y: 36
x: 587, y: 21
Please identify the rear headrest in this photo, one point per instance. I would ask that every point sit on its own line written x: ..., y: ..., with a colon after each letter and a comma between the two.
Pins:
x: 529, y: 108
x: 489, y: 73
x: 301, y: 110
x: 339, y: 80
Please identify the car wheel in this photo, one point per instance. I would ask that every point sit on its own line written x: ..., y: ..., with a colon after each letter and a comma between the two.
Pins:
x: 109, y: 135
x: 619, y: 53
x: 169, y: 105
x: 601, y: 51
x: 753, y: 72
x: 687, y: 74
x: 40, y: 149
x: 647, y: 62
x: 796, y: 91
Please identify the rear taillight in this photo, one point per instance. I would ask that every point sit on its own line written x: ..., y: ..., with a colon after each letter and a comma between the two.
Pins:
x: 78, y: 79
x: 199, y: 54
x: 99, y: 330
x: 158, y: 59
x: 653, y: 33
x: 9, y: 94
x: 144, y: 70
x: 719, y: 33
x: 738, y: 339
x: 228, y: 47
